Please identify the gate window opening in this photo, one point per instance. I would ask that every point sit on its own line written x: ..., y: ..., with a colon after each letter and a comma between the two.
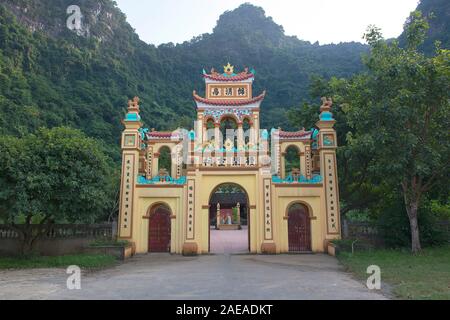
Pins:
x: 165, y: 161
x: 228, y: 127
x: 292, y: 161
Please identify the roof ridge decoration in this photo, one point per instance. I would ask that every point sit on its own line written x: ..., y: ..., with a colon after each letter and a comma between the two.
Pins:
x: 295, y: 135
x: 229, y: 74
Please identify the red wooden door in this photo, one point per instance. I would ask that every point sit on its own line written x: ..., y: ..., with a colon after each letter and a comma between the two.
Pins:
x: 159, y: 231
x: 299, y: 229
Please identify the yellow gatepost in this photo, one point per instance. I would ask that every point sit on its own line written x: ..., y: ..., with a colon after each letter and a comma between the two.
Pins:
x: 178, y: 187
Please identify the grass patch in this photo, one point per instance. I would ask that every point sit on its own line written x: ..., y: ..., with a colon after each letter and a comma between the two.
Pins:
x: 422, y: 276
x: 84, y: 261
x: 109, y: 243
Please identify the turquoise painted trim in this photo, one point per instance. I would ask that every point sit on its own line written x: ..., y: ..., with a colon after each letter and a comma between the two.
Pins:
x: 326, y: 116
x: 143, y: 132
x: 161, y: 179
x: 229, y: 75
x: 132, y: 117
x: 265, y: 135
x: 315, y: 134
x: 301, y: 179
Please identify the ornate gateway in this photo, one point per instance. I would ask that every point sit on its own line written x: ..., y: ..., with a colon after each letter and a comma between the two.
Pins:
x: 275, y: 188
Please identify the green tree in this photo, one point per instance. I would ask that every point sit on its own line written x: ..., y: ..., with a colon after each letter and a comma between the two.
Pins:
x: 400, y: 116
x: 358, y: 189
x: 53, y: 175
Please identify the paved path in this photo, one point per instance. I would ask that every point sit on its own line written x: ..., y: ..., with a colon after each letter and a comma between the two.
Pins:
x: 164, y: 276
x: 229, y: 241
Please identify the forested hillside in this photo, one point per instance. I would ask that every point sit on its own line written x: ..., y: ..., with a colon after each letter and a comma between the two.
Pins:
x: 438, y: 13
x: 51, y: 76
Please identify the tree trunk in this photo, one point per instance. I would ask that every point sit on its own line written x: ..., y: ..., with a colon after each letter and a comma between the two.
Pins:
x: 27, y: 246
x: 30, y: 234
x: 27, y: 240
x: 412, y: 215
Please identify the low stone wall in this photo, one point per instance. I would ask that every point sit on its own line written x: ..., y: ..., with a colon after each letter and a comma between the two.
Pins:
x: 60, y: 240
x: 121, y: 253
x: 46, y: 247
x: 367, y: 234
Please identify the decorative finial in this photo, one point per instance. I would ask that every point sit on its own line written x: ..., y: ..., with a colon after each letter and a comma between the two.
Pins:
x: 136, y: 101
x: 325, y: 114
x: 327, y: 103
x: 228, y: 69
x: 133, y: 110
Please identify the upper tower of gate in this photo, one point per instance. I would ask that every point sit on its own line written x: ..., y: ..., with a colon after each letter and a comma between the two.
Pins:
x: 229, y: 99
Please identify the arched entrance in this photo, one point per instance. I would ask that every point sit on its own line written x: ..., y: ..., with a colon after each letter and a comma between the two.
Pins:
x: 229, y: 219
x: 159, y: 229
x: 299, y: 228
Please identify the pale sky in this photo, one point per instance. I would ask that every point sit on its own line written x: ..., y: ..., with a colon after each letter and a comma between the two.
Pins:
x: 326, y: 21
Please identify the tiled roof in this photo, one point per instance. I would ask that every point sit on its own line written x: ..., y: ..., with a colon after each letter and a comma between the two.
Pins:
x: 223, y: 77
x: 159, y: 135
x: 229, y: 102
x: 295, y: 135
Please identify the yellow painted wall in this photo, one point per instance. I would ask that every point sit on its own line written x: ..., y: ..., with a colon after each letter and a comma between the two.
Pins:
x: 147, y: 197
x: 207, y: 182
x: 283, y: 197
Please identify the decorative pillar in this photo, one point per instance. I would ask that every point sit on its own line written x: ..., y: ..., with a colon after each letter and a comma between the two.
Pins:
x: 238, y: 206
x: 190, y: 246
x: 149, y: 162
x: 327, y: 145
x: 268, y: 245
x: 283, y: 165
x: 240, y: 136
x: 275, y: 152
x: 205, y: 133
x: 131, y: 146
x: 308, y: 164
x: 156, y: 163
x: 200, y: 129
x: 179, y: 167
x: 217, y: 135
x: 218, y: 217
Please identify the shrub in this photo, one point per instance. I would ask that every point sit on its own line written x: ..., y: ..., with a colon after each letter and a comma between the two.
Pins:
x: 393, y: 226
